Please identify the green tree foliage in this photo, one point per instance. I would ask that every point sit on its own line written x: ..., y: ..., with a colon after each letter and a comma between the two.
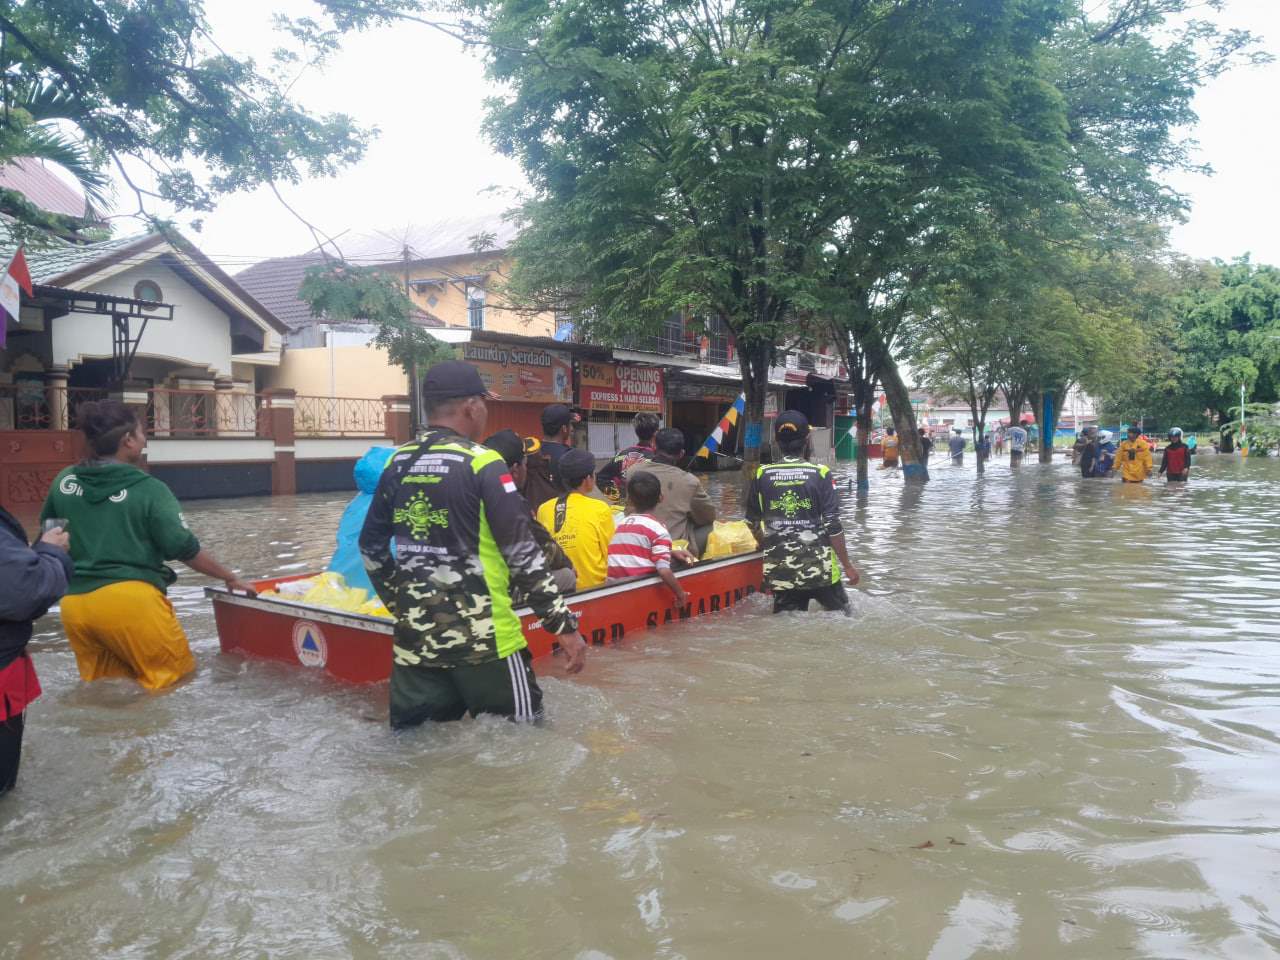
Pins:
x: 143, y: 89
x: 703, y: 156
x: 1219, y: 328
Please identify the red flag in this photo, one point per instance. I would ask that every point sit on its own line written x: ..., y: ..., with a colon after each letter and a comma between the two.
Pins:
x: 18, y: 270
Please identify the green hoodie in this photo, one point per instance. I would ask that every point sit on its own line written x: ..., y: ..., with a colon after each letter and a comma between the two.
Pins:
x: 124, y: 524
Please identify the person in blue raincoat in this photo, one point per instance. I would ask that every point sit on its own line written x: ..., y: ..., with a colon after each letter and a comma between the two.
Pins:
x: 346, y: 559
x: 1105, y: 457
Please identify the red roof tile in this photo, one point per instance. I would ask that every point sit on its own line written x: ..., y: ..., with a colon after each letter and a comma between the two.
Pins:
x: 43, y: 187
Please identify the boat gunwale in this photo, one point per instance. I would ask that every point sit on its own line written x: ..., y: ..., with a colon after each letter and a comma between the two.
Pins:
x: 383, y: 625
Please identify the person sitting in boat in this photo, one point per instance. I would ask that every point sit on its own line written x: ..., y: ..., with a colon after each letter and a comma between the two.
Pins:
x: 125, y: 525
x: 445, y: 556
x: 543, y: 456
x: 581, y: 524
x: 685, y: 510
x: 641, y: 544
x: 510, y: 447
x: 346, y: 558
x: 610, y: 477
x: 793, y: 507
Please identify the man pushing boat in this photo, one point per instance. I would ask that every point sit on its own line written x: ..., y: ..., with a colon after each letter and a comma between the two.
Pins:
x: 462, y: 544
x: 792, y: 504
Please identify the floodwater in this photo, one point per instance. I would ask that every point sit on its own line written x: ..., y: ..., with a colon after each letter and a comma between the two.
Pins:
x: 1051, y: 730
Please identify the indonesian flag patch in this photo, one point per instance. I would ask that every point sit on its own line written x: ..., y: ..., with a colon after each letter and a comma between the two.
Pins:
x: 508, y: 484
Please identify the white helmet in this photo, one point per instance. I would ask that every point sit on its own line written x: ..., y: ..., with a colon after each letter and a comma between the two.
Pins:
x: 1175, y: 431
x: 1104, y: 436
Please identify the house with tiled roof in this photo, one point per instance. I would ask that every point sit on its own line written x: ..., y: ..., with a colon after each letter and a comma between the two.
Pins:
x: 219, y: 333
x: 451, y: 284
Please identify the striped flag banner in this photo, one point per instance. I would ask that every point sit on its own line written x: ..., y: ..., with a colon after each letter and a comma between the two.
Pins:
x: 728, y: 420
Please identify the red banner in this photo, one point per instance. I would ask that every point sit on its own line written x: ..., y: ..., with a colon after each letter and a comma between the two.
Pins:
x: 620, y: 386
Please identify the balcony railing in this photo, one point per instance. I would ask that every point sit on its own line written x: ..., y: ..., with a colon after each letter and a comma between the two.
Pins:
x: 169, y: 413
x: 670, y: 341
x: 339, y: 417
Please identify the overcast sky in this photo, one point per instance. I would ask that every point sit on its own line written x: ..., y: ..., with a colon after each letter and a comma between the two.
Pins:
x: 426, y: 96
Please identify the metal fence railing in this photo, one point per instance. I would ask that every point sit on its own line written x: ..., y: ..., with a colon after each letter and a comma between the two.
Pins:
x: 32, y: 405
x: 339, y: 417
x: 206, y: 413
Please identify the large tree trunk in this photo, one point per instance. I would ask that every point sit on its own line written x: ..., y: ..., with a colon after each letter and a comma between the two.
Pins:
x: 862, y: 412
x: 914, y: 469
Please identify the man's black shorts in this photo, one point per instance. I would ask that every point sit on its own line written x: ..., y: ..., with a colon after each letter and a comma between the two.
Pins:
x: 832, y: 597
x: 505, y: 687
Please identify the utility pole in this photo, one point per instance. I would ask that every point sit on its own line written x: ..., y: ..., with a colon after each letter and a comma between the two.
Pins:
x: 415, y: 383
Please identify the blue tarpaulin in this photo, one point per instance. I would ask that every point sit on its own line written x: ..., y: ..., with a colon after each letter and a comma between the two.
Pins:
x: 346, y: 559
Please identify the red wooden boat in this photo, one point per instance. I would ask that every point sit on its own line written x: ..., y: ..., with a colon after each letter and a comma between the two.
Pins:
x: 357, y: 648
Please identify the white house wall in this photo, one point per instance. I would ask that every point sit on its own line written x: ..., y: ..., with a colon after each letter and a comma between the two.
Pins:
x: 199, y: 335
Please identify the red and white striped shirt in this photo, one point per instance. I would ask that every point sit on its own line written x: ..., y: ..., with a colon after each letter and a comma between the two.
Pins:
x: 640, y: 545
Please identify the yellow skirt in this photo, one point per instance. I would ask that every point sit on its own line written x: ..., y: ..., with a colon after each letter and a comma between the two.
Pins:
x: 127, y: 629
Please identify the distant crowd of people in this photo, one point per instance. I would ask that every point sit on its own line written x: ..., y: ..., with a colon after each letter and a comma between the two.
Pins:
x: 1098, y: 456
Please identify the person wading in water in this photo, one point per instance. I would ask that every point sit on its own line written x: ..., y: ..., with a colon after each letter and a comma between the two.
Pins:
x: 463, y: 543
x: 793, y: 507
x: 124, y: 526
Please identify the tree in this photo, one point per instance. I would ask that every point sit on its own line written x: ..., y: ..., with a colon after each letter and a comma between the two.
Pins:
x: 1218, y: 328
x: 701, y: 157
x: 143, y: 88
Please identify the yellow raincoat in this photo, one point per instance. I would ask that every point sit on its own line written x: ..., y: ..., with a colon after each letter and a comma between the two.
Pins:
x: 1133, y: 460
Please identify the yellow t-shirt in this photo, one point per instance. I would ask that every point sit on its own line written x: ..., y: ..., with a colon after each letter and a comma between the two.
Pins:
x: 584, y: 537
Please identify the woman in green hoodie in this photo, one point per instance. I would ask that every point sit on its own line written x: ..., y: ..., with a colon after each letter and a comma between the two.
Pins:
x: 126, y: 524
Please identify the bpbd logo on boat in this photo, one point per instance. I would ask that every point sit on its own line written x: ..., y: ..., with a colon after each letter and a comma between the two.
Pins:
x: 309, y: 644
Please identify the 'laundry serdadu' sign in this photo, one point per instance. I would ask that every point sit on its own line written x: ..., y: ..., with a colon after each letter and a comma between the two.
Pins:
x: 526, y: 374
x: 620, y: 386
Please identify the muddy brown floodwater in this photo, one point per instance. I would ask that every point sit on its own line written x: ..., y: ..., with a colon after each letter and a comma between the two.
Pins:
x: 1051, y: 730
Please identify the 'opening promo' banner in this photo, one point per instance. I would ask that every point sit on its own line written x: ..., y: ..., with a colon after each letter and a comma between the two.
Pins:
x: 620, y: 386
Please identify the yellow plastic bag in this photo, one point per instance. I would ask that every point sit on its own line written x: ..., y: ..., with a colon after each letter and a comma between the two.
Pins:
x: 374, y: 608
x: 729, y: 537
x: 331, y: 590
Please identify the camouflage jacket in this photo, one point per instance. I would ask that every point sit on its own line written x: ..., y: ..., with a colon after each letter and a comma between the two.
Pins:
x: 795, y: 504
x: 447, y: 540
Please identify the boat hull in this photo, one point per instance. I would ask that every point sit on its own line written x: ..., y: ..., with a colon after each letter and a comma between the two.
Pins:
x: 357, y: 648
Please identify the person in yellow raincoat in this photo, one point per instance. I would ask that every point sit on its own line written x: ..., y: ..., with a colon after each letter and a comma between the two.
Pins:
x: 1133, y: 458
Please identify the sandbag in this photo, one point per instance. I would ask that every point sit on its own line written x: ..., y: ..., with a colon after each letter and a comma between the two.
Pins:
x: 729, y: 537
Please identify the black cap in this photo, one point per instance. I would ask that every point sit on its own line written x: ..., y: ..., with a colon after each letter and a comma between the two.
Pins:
x: 791, y: 423
x: 508, y: 445
x: 556, y: 416
x: 453, y: 378
x: 575, y: 466
x: 1135, y: 429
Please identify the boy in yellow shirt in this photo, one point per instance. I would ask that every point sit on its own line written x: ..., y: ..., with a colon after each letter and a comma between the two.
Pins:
x: 582, y: 525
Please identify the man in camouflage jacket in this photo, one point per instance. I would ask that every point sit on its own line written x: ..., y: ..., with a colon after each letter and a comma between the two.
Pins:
x: 792, y: 505
x: 447, y: 540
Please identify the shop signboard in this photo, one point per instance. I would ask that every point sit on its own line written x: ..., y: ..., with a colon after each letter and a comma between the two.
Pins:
x: 522, y: 374
x: 625, y: 387
x: 684, y: 390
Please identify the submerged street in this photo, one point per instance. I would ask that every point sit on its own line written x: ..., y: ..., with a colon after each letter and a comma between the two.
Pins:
x: 1050, y: 730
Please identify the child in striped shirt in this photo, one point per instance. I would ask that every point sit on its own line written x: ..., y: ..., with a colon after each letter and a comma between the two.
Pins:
x: 641, y: 544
